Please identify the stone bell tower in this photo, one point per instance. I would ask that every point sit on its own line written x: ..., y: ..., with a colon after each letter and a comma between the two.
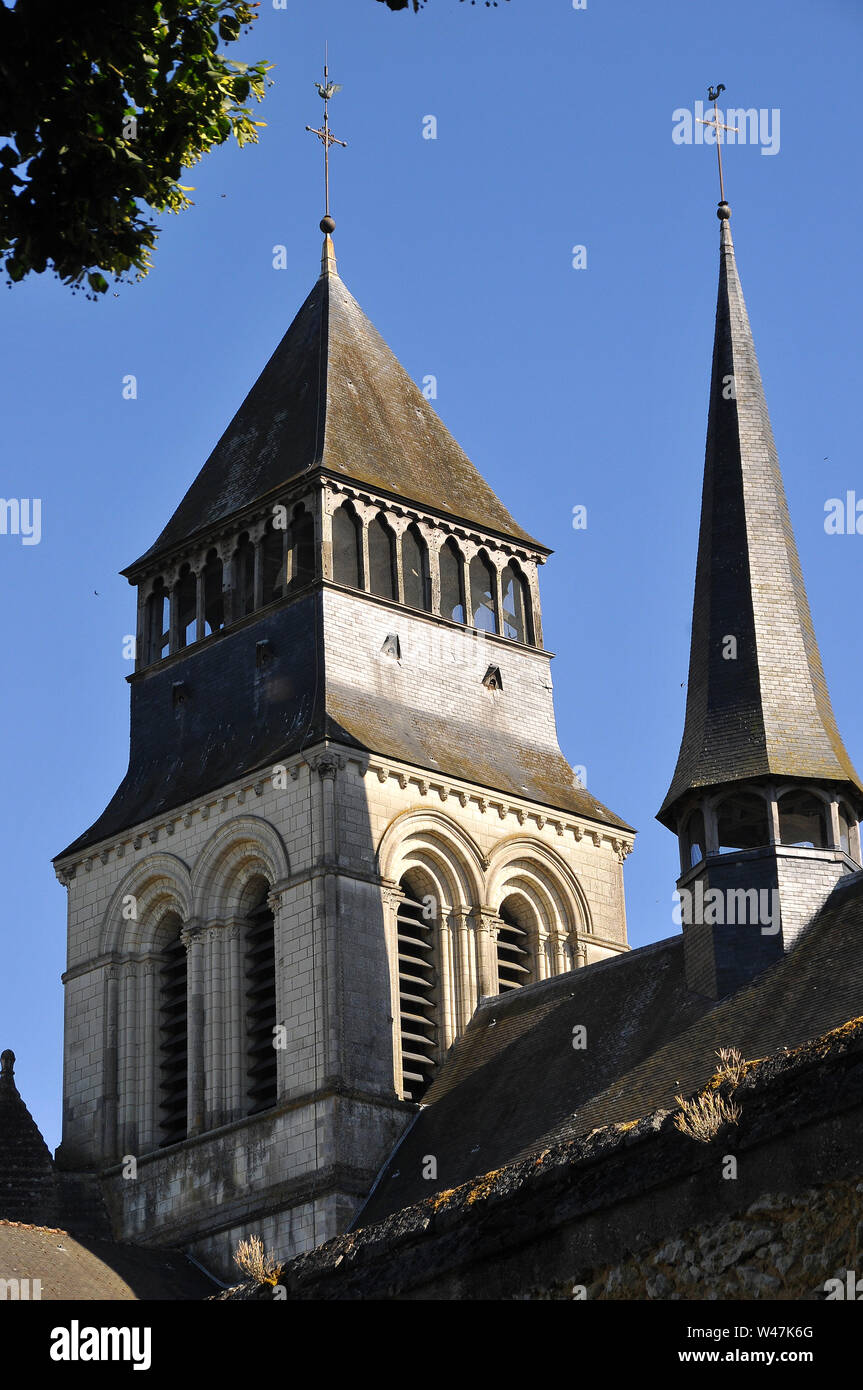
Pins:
x: 346, y: 816
x: 764, y: 798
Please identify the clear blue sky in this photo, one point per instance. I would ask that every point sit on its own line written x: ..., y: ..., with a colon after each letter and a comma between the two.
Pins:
x: 564, y: 386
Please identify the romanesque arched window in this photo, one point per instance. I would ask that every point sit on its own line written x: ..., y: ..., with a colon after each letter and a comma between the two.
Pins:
x: 846, y: 821
x: 742, y: 822
x: 382, y: 558
x: 260, y: 978
x: 415, y: 570
x: 301, y: 549
x: 517, y: 616
x: 483, y: 593
x: 451, y: 583
x: 803, y: 820
x: 214, y: 598
x: 186, y: 600
x: 244, y: 577
x: 173, y: 1026
x: 515, y: 947
x: 158, y: 623
x: 347, y: 549
x: 418, y: 994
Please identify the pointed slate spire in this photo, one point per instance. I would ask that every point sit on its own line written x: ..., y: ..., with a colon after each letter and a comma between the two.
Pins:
x: 334, y: 397
x: 767, y: 711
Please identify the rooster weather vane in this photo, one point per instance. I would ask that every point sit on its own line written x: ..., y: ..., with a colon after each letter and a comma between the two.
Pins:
x: 326, y: 90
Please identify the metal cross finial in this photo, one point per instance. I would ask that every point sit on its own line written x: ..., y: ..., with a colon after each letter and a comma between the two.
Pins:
x: 716, y: 125
x: 327, y: 89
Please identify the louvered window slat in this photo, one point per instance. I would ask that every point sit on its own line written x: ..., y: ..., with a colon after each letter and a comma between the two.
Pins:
x: 417, y: 975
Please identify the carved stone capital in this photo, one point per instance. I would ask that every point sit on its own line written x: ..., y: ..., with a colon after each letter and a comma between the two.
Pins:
x: 327, y: 764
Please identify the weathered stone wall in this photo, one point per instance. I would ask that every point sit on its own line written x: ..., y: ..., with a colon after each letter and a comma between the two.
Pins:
x: 782, y: 1246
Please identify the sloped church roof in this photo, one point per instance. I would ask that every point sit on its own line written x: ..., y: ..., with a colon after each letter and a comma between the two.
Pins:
x: 334, y: 395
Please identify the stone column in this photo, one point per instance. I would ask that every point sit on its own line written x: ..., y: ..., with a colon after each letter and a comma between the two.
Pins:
x: 434, y: 539
x: 392, y: 898
x: 497, y: 594
x: 174, y: 614
x: 128, y: 1039
x: 486, y: 924
x: 398, y: 529
x: 833, y: 822
x: 109, y: 1077
x: 466, y: 964
x: 229, y: 584
x: 277, y: 901
x: 235, y: 1019
x: 191, y: 936
x: 200, y: 621
x: 214, y: 1027
x: 449, y: 993
x: 141, y: 635
x: 150, y: 1054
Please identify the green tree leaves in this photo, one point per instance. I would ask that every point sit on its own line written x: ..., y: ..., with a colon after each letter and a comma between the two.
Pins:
x: 102, y: 106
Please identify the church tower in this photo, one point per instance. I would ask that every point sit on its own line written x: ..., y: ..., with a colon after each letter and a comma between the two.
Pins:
x: 764, y: 799
x: 346, y: 817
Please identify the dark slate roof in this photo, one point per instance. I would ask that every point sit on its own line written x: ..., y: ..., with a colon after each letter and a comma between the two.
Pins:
x: 28, y: 1181
x: 768, y: 712
x: 334, y: 396
x: 73, y: 1268
x: 467, y: 751
x: 513, y: 1085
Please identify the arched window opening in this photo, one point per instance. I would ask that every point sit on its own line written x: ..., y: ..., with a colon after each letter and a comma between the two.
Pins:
x: 214, y: 598
x: 846, y: 820
x: 517, y: 617
x: 158, y: 637
x: 417, y: 993
x: 742, y: 822
x: 695, y: 839
x: 260, y: 971
x: 301, y: 549
x: 803, y: 820
x: 186, y: 599
x: 244, y: 577
x: 273, y: 563
x: 451, y: 583
x: 483, y: 589
x: 346, y: 547
x: 382, y: 559
x: 173, y: 1037
x: 415, y: 570
x: 514, y: 955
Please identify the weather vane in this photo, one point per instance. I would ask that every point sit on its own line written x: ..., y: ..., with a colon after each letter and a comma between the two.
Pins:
x: 716, y: 126
x: 327, y: 89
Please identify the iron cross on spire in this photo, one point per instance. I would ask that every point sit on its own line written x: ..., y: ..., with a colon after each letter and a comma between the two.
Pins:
x: 327, y: 89
x: 716, y: 126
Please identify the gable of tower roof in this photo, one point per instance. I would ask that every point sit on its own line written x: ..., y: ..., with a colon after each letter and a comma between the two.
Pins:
x: 334, y: 396
x: 767, y: 712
